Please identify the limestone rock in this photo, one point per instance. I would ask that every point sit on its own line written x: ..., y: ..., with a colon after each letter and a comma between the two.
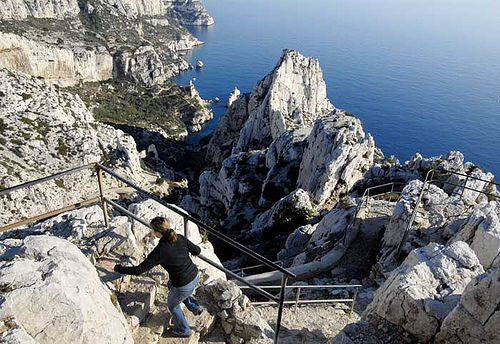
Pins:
x: 337, y: 155
x: 476, y: 319
x: 291, y: 97
x: 44, y: 130
x: 62, y: 65
x: 297, y: 241
x: 283, y: 160
x: 54, y: 9
x: 240, y: 176
x: 290, y: 211
x: 235, y: 94
x: 420, y: 293
x: 189, y: 12
x: 226, y: 134
x: 239, y: 319
x: 481, y: 230
x: 54, y: 269
x: 433, y: 215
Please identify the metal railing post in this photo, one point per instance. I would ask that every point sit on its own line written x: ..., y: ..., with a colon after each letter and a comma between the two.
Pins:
x: 297, y: 299
x: 463, y: 188
x: 185, y: 227
x: 353, y: 301
x: 392, y: 190
x: 280, y: 309
x: 104, y: 205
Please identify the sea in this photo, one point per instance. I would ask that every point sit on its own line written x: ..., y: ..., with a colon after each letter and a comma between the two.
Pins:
x: 423, y: 76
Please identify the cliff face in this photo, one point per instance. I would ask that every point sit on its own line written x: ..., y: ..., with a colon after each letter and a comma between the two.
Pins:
x: 76, y: 41
x: 45, y: 130
x: 61, y: 65
x: 283, y: 137
x: 21, y: 9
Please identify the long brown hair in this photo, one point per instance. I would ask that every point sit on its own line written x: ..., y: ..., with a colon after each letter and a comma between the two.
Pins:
x: 162, y: 225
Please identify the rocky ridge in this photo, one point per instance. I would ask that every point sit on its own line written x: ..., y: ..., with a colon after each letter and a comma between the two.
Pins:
x: 68, y: 42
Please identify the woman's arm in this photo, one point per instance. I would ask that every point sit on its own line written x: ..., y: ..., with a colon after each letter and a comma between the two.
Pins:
x: 192, y: 248
x: 150, y: 262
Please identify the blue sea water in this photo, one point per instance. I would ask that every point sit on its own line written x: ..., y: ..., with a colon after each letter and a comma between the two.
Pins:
x: 423, y: 76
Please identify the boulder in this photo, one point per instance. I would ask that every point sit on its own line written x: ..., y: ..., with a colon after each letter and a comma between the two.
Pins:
x: 481, y: 230
x: 239, y: 320
x: 290, y: 211
x: 476, y: 319
x: 51, y: 269
x: 420, y: 293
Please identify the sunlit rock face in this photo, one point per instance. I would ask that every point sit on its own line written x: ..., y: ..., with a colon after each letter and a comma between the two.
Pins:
x: 420, y: 293
x: 54, y: 294
x: 46, y: 130
x: 292, y: 96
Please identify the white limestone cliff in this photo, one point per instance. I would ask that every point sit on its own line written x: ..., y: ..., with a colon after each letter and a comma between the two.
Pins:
x: 476, y: 319
x: 292, y: 96
x: 337, y: 155
x: 22, y: 9
x: 46, y: 130
x: 64, y: 66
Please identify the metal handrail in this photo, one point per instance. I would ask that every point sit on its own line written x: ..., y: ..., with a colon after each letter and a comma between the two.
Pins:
x: 300, y: 287
x: 209, y: 229
x: 426, y: 187
x: 105, y: 201
x: 45, y: 179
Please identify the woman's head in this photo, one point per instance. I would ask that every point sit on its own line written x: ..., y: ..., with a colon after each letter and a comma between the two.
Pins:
x: 161, y: 226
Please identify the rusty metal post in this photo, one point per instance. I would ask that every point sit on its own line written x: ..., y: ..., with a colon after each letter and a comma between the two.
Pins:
x: 104, y: 205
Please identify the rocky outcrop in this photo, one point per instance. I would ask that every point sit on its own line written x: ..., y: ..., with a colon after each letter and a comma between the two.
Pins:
x: 196, y: 120
x: 292, y: 96
x: 46, y: 130
x: 225, y: 136
x: 290, y: 211
x: 283, y: 161
x: 476, y: 319
x: 239, y: 320
x: 420, y: 293
x: 240, y: 177
x: 68, y: 42
x: 337, y: 155
x: 49, y: 269
x: 235, y: 94
x: 62, y: 65
x: 54, y: 9
x: 189, y: 12
x: 481, y: 230
x: 434, y: 214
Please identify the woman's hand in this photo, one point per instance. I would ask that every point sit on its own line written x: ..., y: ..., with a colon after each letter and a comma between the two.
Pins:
x: 108, y: 265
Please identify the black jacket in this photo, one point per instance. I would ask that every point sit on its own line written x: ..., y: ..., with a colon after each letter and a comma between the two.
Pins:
x: 172, y: 257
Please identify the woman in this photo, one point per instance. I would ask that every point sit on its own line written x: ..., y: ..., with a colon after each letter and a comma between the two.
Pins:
x: 172, y: 253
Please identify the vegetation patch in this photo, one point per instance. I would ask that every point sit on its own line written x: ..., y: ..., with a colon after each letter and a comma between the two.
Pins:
x: 122, y: 102
x: 62, y: 149
x: 60, y: 183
